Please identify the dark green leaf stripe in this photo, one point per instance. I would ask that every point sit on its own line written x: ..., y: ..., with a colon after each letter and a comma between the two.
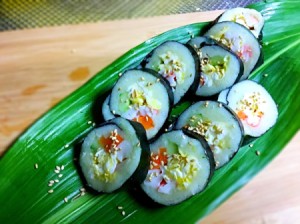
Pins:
x: 23, y: 189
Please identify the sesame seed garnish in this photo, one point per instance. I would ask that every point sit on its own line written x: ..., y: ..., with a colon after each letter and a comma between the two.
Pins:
x: 197, y: 9
x: 50, y: 191
x: 123, y: 213
x: 113, y: 111
x: 36, y: 166
x: 56, y: 180
x: 66, y: 145
x: 57, y: 168
x: 206, y: 104
x: 60, y: 175
x: 120, y: 74
x: 257, y: 153
x: 56, y: 171
x: 94, y: 124
x: 120, y: 207
x: 66, y: 200
x: 166, y: 130
x: 51, y: 182
x: 251, y: 145
x: 265, y: 75
x: 157, y: 80
x: 62, y: 167
x: 138, y: 144
x: 142, y: 78
x: 89, y: 122
x: 82, y: 189
x: 50, y: 185
x: 220, y: 105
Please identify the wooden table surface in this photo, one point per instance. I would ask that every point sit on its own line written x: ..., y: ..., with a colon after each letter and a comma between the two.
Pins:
x: 40, y: 67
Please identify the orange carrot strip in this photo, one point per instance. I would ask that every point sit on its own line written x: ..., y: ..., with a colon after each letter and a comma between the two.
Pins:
x: 146, y: 121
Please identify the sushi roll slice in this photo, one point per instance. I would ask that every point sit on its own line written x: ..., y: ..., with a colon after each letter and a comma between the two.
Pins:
x: 222, y: 97
x: 106, y: 112
x: 181, y: 166
x: 250, y: 18
x: 142, y: 96
x: 113, y: 153
x: 220, y: 69
x: 254, y: 106
x: 178, y: 64
x: 198, y: 42
x: 218, y: 125
x: 240, y: 41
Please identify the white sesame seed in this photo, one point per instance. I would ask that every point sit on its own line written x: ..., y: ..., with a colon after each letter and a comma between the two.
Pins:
x: 50, y: 185
x: 51, y: 182
x: 36, y: 166
x: 120, y: 74
x: 56, y: 180
x: 123, y: 213
x: 50, y: 191
x: 62, y: 167
x: 113, y: 111
x: 56, y: 171
x: 157, y: 80
x: 66, y: 200
x: 257, y: 153
x: 265, y: 75
x: 82, y: 189
x: 60, y: 175
x: 120, y: 207
x: 89, y: 122
x: 57, y: 168
x: 138, y: 144
x: 66, y: 145
x: 251, y: 145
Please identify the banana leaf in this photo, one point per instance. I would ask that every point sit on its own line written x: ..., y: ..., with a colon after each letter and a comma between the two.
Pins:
x: 55, y: 138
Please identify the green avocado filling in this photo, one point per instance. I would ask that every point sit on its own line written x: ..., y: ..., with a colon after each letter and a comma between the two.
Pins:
x: 213, y: 68
x: 212, y: 132
x: 135, y: 98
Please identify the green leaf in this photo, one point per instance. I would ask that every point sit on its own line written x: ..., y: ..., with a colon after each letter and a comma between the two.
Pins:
x: 24, y: 190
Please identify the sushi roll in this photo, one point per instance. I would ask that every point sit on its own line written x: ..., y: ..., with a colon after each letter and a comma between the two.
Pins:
x: 218, y: 125
x: 142, y: 96
x: 222, y: 97
x: 106, y: 112
x: 254, y: 106
x: 178, y: 64
x: 240, y: 41
x: 250, y: 18
x: 220, y: 69
x: 181, y: 166
x: 113, y: 153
